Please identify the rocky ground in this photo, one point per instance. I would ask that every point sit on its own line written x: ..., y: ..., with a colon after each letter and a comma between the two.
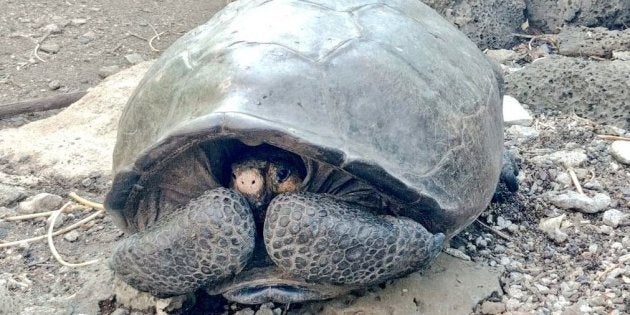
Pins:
x: 560, y: 246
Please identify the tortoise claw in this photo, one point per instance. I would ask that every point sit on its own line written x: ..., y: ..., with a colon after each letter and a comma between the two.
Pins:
x: 208, y: 240
x: 318, y: 238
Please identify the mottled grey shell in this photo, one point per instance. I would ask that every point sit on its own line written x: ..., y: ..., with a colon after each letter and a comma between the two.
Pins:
x: 386, y: 90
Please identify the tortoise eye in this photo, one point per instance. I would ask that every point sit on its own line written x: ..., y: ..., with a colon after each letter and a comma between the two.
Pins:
x: 282, y: 174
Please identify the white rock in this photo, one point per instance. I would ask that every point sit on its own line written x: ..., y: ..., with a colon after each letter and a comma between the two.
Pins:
x: 564, y: 178
x: 71, y: 236
x: 514, y: 113
x: 614, y: 218
x: 620, y: 150
x: 551, y: 227
x: 40, y: 203
x: 621, y: 55
x: 582, y: 203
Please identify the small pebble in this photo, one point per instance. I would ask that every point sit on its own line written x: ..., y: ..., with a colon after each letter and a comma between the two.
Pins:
x: 40, y: 203
x: 71, y: 236
x: 106, y: 71
x: 52, y: 28
x: 5, y: 228
x: 51, y: 48
x: 61, y: 218
x: 77, y: 22
x: 120, y: 311
x: 614, y: 218
x: 265, y: 309
x: 551, y: 227
x: 620, y: 150
x: 245, y: 311
x: 134, y: 58
x: 492, y: 308
x: 54, y: 85
x: 10, y: 194
x: 87, y: 37
x: 502, y: 56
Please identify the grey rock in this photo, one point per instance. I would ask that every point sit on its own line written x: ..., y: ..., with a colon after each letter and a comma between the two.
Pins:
x: 265, y: 309
x: 61, y: 218
x: 6, y: 212
x: 620, y: 150
x: 580, y: 202
x: 564, y: 179
x: 598, y: 41
x: 77, y: 22
x: 489, y: 23
x: 10, y: 194
x: 134, y: 58
x: 245, y: 311
x: 120, y: 311
x: 597, y: 90
x: 551, y: 15
x: 5, y: 228
x: 621, y: 55
x: 492, y: 308
x: 502, y: 56
x: 53, y: 29
x: 514, y: 113
x: 106, y: 71
x: 51, y: 48
x: 614, y: 218
x: 87, y: 37
x: 40, y: 203
x: 71, y: 236
x: 54, y: 85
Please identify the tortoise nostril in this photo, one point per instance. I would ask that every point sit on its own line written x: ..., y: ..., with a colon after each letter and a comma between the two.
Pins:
x: 253, y: 182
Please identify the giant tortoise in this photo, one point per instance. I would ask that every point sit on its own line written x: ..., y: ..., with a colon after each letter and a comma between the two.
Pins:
x: 293, y: 150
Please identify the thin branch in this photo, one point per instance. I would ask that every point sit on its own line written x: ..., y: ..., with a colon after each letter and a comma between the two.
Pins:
x: 495, y: 231
x: 51, y: 244
x: 576, y: 182
x: 62, y: 231
x: 39, y: 43
x: 85, y: 202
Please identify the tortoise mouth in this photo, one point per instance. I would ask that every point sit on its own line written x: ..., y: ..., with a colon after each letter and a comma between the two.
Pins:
x: 269, y: 284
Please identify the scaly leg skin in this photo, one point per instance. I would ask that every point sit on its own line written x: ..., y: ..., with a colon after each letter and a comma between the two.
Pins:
x: 208, y: 240
x: 318, y: 238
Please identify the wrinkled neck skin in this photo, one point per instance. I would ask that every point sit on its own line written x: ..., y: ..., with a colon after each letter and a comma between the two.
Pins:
x: 191, y: 174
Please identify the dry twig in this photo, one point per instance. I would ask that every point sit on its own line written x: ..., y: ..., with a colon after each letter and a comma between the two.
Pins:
x: 39, y: 43
x: 157, y: 35
x: 495, y: 231
x: 66, y: 229
x: 576, y: 182
x: 51, y: 244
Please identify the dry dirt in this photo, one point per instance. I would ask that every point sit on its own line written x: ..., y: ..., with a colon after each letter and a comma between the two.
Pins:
x: 88, y: 35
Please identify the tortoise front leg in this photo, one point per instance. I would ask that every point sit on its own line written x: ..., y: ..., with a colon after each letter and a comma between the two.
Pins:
x: 318, y: 238
x: 206, y: 241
